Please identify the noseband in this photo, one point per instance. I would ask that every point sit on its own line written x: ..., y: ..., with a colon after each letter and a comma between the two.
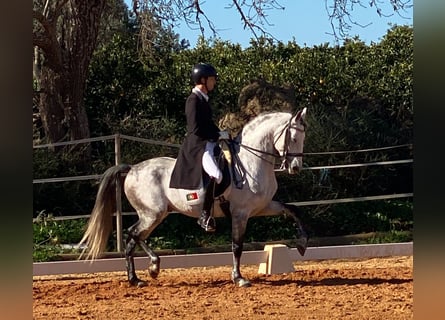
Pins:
x: 286, y: 153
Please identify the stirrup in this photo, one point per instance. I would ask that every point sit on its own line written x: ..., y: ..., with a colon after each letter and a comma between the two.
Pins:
x: 207, y: 224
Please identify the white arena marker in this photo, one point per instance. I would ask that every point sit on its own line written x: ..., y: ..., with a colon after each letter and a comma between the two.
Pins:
x: 278, y: 260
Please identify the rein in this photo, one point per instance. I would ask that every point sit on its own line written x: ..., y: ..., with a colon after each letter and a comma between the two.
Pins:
x: 300, y: 154
x: 250, y: 149
x: 257, y: 150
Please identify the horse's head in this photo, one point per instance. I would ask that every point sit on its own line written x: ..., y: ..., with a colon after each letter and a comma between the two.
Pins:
x: 289, y: 140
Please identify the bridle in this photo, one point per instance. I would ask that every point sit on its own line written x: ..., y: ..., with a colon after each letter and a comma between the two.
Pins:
x: 286, y: 131
x: 284, y: 162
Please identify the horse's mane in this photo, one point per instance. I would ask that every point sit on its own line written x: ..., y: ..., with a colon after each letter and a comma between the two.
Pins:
x: 261, y: 117
x: 258, y: 119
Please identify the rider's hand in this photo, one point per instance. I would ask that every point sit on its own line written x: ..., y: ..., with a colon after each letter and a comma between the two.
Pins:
x: 224, y: 135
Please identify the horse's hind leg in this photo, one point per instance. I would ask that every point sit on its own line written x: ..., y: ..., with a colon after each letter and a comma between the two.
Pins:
x: 132, y: 241
x: 155, y: 261
x: 136, y: 236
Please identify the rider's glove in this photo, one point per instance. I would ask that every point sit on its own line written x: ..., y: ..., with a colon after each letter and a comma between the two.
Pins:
x: 224, y: 135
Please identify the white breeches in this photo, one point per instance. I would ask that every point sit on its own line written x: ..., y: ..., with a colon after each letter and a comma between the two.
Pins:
x: 209, y: 164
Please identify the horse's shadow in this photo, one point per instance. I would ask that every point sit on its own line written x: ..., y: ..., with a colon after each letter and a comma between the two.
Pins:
x: 336, y: 281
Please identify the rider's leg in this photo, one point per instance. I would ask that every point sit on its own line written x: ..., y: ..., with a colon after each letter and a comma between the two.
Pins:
x: 209, y: 164
x: 206, y: 221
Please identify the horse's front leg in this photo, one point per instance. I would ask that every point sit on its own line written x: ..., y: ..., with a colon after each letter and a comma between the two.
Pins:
x: 238, y: 231
x: 289, y: 210
x: 302, y: 237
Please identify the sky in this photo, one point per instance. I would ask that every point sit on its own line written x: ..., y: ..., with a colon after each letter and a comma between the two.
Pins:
x: 305, y: 21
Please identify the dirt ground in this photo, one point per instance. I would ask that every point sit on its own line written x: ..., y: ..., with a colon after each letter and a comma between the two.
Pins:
x: 334, y: 289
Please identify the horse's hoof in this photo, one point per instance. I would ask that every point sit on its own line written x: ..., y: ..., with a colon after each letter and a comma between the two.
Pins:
x: 153, y: 271
x: 301, y: 250
x: 242, y: 283
x: 142, y: 284
x: 138, y: 283
x: 302, y: 246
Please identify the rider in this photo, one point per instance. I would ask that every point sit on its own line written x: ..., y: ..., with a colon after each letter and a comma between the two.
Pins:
x: 196, y: 152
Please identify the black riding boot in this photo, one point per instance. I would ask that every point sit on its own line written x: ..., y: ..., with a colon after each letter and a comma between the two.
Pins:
x: 206, y: 221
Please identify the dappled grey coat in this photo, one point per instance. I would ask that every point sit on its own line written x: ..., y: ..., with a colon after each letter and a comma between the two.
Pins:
x: 188, y: 171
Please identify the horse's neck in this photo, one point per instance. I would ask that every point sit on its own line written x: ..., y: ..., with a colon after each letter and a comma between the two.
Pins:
x: 260, y: 136
x: 259, y: 169
x: 257, y: 152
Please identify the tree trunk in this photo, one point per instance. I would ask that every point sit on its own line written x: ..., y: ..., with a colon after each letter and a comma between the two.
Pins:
x: 51, y: 106
x: 67, y: 39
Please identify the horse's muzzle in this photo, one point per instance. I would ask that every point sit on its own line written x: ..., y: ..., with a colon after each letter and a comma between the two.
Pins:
x: 294, y: 166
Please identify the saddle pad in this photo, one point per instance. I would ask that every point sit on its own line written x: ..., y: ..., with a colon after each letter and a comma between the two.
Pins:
x: 193, y: 197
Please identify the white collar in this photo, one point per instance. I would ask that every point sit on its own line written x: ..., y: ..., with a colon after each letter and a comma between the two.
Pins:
x: 198, y: 92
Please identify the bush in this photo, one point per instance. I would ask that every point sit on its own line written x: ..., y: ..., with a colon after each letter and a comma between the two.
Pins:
x: 49, y: 234
x: 361, y: 217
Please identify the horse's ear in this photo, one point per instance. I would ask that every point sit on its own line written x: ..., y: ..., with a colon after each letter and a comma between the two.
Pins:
x: 301, y: 114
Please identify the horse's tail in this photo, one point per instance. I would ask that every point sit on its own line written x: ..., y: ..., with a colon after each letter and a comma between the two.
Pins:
x: 100, y: 223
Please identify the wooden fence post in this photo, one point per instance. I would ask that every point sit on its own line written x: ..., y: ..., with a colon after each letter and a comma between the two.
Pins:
x: 117, y: 158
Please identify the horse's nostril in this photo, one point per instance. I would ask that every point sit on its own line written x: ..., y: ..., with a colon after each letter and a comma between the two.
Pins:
x: 294, y: 166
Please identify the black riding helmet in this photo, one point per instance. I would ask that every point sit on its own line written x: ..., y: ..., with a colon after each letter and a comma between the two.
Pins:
x: 203, y: 70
